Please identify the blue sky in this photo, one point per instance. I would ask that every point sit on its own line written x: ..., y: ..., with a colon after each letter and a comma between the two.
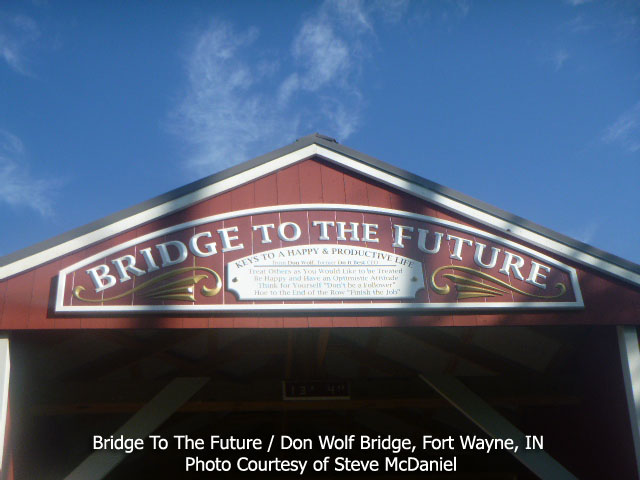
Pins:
x: 533, y: 107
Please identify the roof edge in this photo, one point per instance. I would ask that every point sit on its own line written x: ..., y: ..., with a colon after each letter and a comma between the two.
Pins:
x: 155, y: 201
x: 485, y: 207
x: 332, y: 145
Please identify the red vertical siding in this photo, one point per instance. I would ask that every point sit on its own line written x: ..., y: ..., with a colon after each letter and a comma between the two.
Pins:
x: 42, y: 296
x: 332, y: 185
x: 243, y: 197
x: 288, y: 184
x: 266, y: 191
x: 310, y: 182
x: 3, y: 291
x: 24, y: 299
x: 378, y: 196
x: 320, y: 322
x: 18, y: 301
x: 355, y: 190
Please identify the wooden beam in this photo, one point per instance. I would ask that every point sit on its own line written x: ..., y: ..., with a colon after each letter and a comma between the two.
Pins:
x: 134, y: 350
x: 5, y: 368
x: 98, y: 408
x: 97, y: 465
x: 289, y: 358
x: 382, y: 363
x: 630, y: 357
x: 409, y: 351
x: 323, y: 342
x: 465, y: 339
x: 372, y: 344
x: 464, y: 349
x: 494, y: 424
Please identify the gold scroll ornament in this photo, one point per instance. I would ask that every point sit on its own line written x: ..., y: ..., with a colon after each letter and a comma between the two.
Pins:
x: 181, y: 289
x: 469, y: 288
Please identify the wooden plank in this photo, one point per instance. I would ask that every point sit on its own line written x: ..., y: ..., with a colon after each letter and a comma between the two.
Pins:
x: 246, y: 322
x: 243, y: 197
x: 310, y: 184
x: 378, y: 196
x: 221, y: 322
x: 332, y: 185
x: 355, y: 190
x: 295, y: 322
x: 270, y: 322
x: 266, y: 191
x: 382, y: 403
x: 288, y: 185
x: 18, y: 301
x: 44, y: 278
x: 320, y: 322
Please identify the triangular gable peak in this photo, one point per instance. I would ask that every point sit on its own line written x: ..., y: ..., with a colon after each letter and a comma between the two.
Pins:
x: 313, y: 228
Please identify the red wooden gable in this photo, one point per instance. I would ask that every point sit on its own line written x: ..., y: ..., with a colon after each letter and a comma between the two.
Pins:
x: 27, y: 297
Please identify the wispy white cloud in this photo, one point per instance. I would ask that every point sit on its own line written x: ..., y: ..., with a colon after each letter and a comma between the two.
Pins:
x: 390, y: 11
x: 579, y: 24
x: 17, y: 34
x: 323, y: 55
x: 625, y: 131
x: 18, y: 187
x: 559, y: 58
x: 233, y: 108
x: 453, y: 11
x: 464, y: 6
x: 577, y: 3
x: 223, y: 112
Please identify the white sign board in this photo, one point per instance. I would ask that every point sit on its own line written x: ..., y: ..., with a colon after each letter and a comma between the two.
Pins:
x: 325, y: 272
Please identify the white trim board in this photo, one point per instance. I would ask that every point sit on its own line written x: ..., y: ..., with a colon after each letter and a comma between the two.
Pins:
x: 348, y: 162
x: 5, y: 371
x: 156, y: 212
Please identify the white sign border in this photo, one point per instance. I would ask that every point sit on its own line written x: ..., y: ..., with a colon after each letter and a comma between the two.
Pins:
x: 322, y: 307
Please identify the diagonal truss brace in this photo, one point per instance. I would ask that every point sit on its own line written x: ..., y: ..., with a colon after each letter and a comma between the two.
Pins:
x: 408, y: 351
x: 141, y: 424
x: 495, y: 425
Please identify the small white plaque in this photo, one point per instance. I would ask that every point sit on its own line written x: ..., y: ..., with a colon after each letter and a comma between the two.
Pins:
x: 324, y: 272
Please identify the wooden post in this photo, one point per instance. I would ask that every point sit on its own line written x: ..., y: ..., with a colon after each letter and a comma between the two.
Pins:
x: 630, y: 357
x: 5, y: 368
